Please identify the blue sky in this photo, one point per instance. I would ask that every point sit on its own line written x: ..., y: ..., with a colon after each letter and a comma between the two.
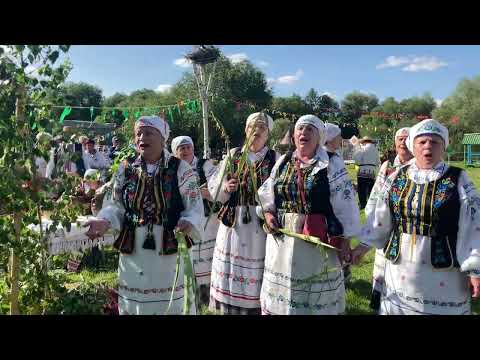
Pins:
x: 400, y: 71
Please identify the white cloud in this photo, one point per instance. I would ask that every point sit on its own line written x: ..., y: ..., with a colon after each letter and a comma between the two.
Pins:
x: 286, y: 79
x: 412, y: 63
x: 393, y: 61
x: 262, y: 63
x: 182, y: 62
x: 163, y: 87
x: 424, y: 63
x: 438, y: 102
x: 238, y: 58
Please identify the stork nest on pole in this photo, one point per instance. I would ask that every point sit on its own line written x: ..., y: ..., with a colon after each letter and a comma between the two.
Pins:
x: 204, y: 54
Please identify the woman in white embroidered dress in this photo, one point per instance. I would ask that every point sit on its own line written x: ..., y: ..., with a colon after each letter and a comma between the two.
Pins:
x: 295, y: 278
x: 402, y: 158
x: 342, y: 184
x: 148, y: 248
x: 238, y: 259
x: 427, y: 219
x: 202, y: 252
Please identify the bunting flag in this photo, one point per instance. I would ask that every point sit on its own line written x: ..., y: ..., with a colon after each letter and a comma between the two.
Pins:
x: 91, y: 113
x: 66, y: 111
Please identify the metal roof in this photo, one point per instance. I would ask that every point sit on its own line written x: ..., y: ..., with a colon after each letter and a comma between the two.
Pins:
x: 471, y: 139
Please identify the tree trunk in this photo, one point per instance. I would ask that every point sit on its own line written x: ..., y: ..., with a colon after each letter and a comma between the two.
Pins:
x: 17, y: 218
x: 15, y: 269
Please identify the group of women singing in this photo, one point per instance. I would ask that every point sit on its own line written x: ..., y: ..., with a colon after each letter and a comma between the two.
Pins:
x: 279, y: 237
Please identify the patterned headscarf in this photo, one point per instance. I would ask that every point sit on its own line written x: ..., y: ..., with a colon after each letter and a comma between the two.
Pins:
x: 428, y: 126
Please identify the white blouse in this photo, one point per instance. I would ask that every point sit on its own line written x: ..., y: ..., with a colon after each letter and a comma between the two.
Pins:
x: 379, y: 224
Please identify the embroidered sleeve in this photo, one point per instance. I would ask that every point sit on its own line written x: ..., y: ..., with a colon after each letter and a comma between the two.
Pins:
x: 379, y: 224
x: 192, y: 201
x: 266, y: 192
x: 112, y: 207
x: 342, y: 198
x: 376, y: 190
x: 215, y: 183
x: 468, y: 240
x: 209, y: 168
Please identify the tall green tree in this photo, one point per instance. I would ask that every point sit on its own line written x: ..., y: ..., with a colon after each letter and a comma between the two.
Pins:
x: 353, y: 106
x: 231, y: 85
x: 460, y: 111
x: 28, y: 72
x: 78, y: 94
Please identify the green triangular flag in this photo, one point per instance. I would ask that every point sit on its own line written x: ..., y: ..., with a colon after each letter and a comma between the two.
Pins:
x: 125, y: 115
x: 170, y: 114
x: 66, y: 111
x: 137, y: 114
x: 91, y: 113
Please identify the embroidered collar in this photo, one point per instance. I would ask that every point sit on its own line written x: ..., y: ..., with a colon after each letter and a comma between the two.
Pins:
x: 397, y: 163
x: 439, y: 168
x: 258, y: 156
x: 163, y: 160
x: 194, y: 162
x: 320, y: 160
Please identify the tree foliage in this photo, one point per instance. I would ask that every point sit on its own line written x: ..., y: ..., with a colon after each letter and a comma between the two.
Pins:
x: 28, y: 73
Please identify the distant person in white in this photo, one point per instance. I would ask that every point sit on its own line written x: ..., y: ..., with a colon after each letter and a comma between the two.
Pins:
x: 93, y: 159
x: 368, y: 160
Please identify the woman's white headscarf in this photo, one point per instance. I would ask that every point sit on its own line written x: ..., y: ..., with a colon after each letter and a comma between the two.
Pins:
x: 179, y: 141
x: 331, y: 131
x: 428, y: 126
x: 403, y: 131
x: 156, y: 122
x: 260, y: 117
x: 314, y: 121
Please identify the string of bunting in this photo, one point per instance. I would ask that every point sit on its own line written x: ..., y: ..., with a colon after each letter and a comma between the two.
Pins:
x: 334, y: 111
x: 136, y: 111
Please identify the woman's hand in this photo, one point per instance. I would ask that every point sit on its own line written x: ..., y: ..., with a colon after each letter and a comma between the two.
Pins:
x: 475, y: 286
x: 231, y: 186
x: 345, y: 253
x: 271, y: 221
x: 358, y: 253
x: 184, y: 226
x: 98, y: 227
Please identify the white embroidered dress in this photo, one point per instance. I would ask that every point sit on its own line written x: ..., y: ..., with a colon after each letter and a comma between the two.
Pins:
x: 379, y: 263
x: 202, y: 252
x: 294, y: 282
x: 145, y: 277
x: 412, y: 285
x: 239, y: 255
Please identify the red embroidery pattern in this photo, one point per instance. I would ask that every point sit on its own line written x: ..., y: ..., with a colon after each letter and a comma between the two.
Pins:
x: 237, y: 278
x: 238, y: 257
